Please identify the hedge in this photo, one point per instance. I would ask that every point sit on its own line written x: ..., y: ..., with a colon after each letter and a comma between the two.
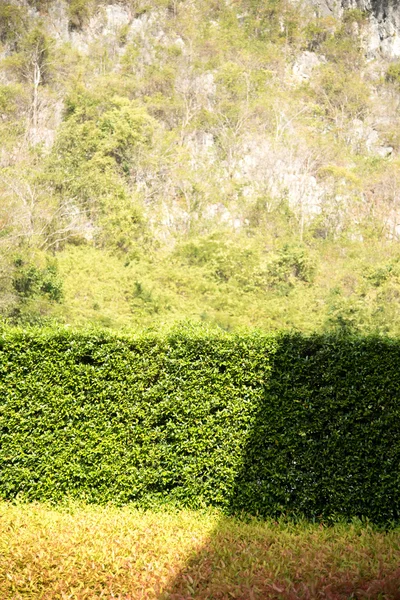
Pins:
x: 263, y: 424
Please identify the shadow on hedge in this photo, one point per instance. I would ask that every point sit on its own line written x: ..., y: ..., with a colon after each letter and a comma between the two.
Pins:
x: 324, y: 446
x: 271, y: 426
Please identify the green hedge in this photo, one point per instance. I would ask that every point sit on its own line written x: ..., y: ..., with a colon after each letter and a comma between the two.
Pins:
x: 269, y: 425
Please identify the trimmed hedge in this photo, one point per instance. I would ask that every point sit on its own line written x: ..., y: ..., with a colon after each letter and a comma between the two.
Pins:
x: 269, y: 425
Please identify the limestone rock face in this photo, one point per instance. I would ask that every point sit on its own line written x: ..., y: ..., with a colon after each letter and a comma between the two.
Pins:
x: 305, y: 64
x: 383, y: 35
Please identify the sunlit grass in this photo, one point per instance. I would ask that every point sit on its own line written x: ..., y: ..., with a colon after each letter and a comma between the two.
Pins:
x: 81, y: 552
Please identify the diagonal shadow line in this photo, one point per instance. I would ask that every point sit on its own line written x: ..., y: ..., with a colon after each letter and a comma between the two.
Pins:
x: 300, y: 462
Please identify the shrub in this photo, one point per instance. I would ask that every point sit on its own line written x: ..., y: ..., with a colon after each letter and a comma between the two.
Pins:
x: 268, y: 425
x: 79, y: 12
x: 12, y: 23
x: 393, y: 74
x: 292, y: 264
x: 12, y: 98
x: 30, y: 281
x: 93, y: 158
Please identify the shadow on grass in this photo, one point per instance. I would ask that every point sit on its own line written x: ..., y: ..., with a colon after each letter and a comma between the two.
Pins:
x: 232, y: 565
x: 324, y: 446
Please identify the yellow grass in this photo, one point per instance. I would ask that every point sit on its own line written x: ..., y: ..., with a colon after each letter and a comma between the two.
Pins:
x: 82, y: 553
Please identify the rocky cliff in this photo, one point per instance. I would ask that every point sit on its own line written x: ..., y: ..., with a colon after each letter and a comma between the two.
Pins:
x: 383, y: 29
x: 200, y: 157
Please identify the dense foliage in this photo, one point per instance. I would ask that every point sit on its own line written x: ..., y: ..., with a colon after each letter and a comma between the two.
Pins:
x: 268, y: 425
x: 235, y: 163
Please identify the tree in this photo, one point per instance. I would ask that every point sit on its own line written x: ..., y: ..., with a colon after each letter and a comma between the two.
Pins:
x: 93, y: 163
x: 36, y: 66
x: 32, y: 64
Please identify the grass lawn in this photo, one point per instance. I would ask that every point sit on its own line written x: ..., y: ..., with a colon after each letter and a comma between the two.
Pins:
x: 85, y: 552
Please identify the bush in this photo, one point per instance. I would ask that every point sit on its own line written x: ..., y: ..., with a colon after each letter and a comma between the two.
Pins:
x: 12, y: 98
x: 341, y: 93
x: 292, y: 264
x: 93, y: 159
x: 12, y: 23
x: 268, y: 425
x: 30, y: 281
x: 393, y: 74
x: 224, y: 259
x: 79, y: 12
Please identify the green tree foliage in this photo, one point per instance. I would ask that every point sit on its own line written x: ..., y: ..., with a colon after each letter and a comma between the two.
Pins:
x: 11, y: 96
x: 393, y: 73
x: 103, y: 138
x: 13, y: 21
x: 293, y: 263
x: 173, y: 175
x: 30, y: 281
x: 271, y: 19
x: 79, y: 12
x: 94, y: 161
x: 33, y: 289
x: 33, y: 58
x: 343, y: 95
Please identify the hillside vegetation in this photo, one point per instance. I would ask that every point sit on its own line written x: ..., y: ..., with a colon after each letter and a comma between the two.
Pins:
x: 235, y: 163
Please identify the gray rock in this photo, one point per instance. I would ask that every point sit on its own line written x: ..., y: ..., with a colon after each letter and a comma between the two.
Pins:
x: 305, y: 64
x: 383, y: 32
x: 385, y: 151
